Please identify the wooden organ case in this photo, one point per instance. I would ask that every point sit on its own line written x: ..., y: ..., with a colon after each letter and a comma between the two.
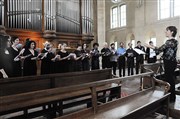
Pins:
x: 57, y: 21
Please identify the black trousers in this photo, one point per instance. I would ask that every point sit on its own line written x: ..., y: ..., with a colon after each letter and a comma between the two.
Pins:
x: 113, y: 66
x: 130, y: 65
x: 95, y: 64
x: 106, y: 62
x: 169, y: 67
x: 138, y: 64
x: 85, y: 65
x: 121, y: 65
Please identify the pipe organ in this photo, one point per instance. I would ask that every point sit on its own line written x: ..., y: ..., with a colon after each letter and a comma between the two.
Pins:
x: 68, y: 16
x: 50, y: 14
x: 87, y: 16
x: 1, y: 12
x: 24, y: 14
x: 49, y: 19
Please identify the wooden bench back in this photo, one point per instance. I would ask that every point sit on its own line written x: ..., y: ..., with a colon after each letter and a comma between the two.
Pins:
x: 155, y: 67
x: 33, y: 83
x: 33, y: 98
x: 127, y: 102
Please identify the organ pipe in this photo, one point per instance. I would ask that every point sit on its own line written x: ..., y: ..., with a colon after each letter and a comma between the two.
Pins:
x: 70, y: 16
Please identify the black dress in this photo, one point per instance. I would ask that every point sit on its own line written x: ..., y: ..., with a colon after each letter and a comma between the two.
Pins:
x: 95, y: 59
x: 15, y: 66
x: 30, y: 66
x: 106, y: 53
x: 85, y: 61
x: 78, y: 63
x: 1, y: 75
x: 63, y: 65
x: 130, y: 54
x: 47, y: 65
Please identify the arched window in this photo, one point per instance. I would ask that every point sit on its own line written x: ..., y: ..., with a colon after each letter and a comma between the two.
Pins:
x: 163, y: 9
x: 133, y: 43
x: 116, y: 45
x: 122, y: 15
x: 168, y: 8
x: 114, y: 17
x: 118, y: 16
x: 176, y: 7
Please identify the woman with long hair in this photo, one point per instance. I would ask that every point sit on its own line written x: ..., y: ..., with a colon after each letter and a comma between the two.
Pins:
x: 31, y: 55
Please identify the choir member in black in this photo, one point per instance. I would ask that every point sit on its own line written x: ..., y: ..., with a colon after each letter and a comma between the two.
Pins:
x: 150, y: 54
x: 85, y: 58
x: 130, y: 54
x: 1, y: 75
x: 139, y: 57
x: 106, y: 53
x: 30, y: 57
x: 14, y: 58
x: 78, y: 58
x: 95, y: 57
x: 47, y: 59
x: 4, y: 42
x: 4, y: 54
x: 113, y: 58
x: 63, y: 63
x: 122, y: 59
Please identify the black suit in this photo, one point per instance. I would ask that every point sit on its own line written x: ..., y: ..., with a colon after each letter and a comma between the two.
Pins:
x: 150, y: 59
x: 130, y: 54
x: 139, y: 58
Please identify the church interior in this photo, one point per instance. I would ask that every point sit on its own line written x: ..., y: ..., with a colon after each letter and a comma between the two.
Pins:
x: 89, y: 59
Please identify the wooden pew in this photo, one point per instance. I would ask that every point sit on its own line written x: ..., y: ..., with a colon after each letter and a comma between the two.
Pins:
x: 134, y: 106
x: 52, y: 96
x: 29, y: 100
x: 174, y: 107
x: 18, y: 85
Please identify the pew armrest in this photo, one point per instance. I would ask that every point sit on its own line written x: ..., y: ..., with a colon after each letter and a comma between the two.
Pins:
x: 166, y: 84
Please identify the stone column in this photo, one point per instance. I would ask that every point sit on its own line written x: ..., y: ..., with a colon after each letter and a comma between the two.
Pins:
x: 101, y: 28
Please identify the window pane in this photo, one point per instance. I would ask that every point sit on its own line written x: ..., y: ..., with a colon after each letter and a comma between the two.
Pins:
x: 164, y: 9
x: 114, y: 17
x: 176, y: 7
x: 123, y: 15
x: 133, y: 43
x: 116, y: 45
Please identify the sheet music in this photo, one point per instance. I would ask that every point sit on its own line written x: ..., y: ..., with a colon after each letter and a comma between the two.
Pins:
x: 152, y: 53
x: 3, y: 73
x: 139, y: 51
